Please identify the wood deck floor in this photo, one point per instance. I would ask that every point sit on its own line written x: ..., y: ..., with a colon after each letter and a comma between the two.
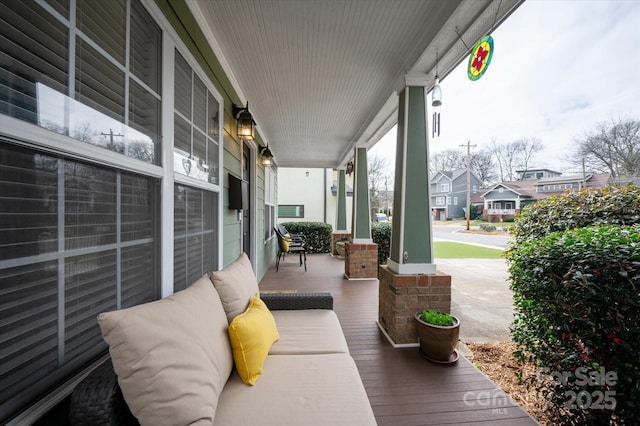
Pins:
x: 403, y: 387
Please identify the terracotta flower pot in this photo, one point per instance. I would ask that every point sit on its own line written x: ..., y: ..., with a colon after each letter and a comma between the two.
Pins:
x: 438, y: 342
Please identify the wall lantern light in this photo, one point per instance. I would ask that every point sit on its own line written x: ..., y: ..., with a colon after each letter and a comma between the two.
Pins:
x: 266, y: 155
x: 245, y: 123
x: 350, y: 168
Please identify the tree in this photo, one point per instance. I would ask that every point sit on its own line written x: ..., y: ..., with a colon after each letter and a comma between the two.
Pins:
x: 482, y: 163
x: 380, y: 183
x: 526, y: 149
x: 449, y: 159
x: 612, y: 146
x: 515, y: 155
x: 483, y: 166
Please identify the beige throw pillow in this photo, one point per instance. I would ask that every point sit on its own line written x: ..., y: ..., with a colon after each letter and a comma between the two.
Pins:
x: 236, y: 285
x: 172, y: 356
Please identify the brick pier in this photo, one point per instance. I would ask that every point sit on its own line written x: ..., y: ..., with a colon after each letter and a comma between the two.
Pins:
x: 361, y: 261
x: 401, y: 296
x: 338, y: 237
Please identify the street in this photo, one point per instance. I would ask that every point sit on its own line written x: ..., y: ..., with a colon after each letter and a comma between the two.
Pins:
x: 456, y: 232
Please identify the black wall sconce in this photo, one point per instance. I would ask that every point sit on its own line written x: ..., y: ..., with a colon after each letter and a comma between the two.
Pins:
x: 350, y: 168
x: 266, y: 155
x: 244, y: 122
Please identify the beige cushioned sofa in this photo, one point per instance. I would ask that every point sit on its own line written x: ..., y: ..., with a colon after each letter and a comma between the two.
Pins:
x: 172, y: 362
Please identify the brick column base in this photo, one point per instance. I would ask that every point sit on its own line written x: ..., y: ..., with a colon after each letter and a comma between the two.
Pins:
x: 361, y: 261
x: 401, y: 296
x: 338, y: 237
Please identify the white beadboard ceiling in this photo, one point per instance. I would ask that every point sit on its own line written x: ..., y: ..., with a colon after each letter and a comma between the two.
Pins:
x: 321, y: 76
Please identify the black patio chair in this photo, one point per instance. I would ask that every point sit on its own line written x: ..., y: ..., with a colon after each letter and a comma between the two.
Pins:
x: 290, y: 243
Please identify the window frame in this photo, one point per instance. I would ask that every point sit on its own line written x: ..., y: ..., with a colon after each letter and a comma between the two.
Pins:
x: 298, y: 208
x: 270, y: 202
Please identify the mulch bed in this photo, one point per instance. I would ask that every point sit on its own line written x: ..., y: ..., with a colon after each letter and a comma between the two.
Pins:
x: 496, y: 360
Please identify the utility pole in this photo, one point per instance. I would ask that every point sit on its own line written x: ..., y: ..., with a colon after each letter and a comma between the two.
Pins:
x: 111, y: 135
x: 469, y: 146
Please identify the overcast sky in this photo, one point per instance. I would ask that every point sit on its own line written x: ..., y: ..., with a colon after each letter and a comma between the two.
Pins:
x: 559, y: 67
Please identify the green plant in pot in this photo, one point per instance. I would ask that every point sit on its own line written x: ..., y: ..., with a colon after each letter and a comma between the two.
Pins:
x: 438, y: 335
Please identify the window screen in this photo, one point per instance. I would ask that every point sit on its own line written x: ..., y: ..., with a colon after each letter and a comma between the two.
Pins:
x: 85, y: 95
x: 196, y: 128
x: 33, y: 48
x: 51, y: 292
x: 195, y: 237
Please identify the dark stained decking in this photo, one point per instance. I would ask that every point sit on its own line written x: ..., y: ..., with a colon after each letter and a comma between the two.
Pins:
x: 403, y: 387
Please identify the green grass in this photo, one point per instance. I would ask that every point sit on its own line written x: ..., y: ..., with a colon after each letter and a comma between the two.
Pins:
x: 452, y: 250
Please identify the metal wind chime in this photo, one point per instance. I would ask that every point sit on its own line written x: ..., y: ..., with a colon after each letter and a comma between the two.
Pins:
x: 436, y: 102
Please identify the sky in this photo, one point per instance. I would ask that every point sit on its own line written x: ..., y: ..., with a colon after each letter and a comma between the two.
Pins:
x: 559, y: 67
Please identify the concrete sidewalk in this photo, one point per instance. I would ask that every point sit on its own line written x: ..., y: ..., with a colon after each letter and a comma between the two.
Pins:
x: 480, y: 298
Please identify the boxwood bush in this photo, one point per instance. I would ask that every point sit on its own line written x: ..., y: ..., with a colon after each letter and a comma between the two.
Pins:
x: 318, y: 235
x: 381, y: 235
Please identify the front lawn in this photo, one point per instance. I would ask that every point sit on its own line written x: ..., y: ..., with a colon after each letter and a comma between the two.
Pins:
x: 453, y: 250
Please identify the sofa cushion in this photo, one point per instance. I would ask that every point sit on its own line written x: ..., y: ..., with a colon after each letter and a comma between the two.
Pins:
x: 236, y: 285
x: 297, y: 390
x: 309, y: 331
x: 252, y: 333
x: 172, y: 356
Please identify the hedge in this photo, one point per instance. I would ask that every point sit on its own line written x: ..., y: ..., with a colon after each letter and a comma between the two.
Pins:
x: 577, y: 303
x: 611, y: 205
x: 318, y: 235
x: 381, y: 235
x: 574, y: 272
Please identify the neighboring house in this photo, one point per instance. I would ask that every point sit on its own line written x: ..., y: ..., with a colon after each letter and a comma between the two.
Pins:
x: 310, y: 195
x: 449, y: 193
x: 506, y: 199
x: 537, y: 174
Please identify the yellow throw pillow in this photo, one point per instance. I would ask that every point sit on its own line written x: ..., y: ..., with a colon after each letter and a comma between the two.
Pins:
x: 252, y: 333
x: 284, y: 244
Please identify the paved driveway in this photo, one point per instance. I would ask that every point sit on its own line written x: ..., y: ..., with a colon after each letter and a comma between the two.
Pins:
x: 480, y: 298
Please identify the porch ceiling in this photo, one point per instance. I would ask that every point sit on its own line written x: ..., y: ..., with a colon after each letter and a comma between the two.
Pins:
x: 321, y: 75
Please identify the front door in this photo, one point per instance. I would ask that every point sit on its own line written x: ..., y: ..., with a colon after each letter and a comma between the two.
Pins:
x: 246, y: 213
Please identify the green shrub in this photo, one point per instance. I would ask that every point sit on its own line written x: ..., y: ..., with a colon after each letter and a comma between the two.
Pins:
x: 436, y: 318
x: 611, y: 205
x: 381, y: 235
x: 473, y: 212
x: 318, y: 235
x: 577, y: 304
